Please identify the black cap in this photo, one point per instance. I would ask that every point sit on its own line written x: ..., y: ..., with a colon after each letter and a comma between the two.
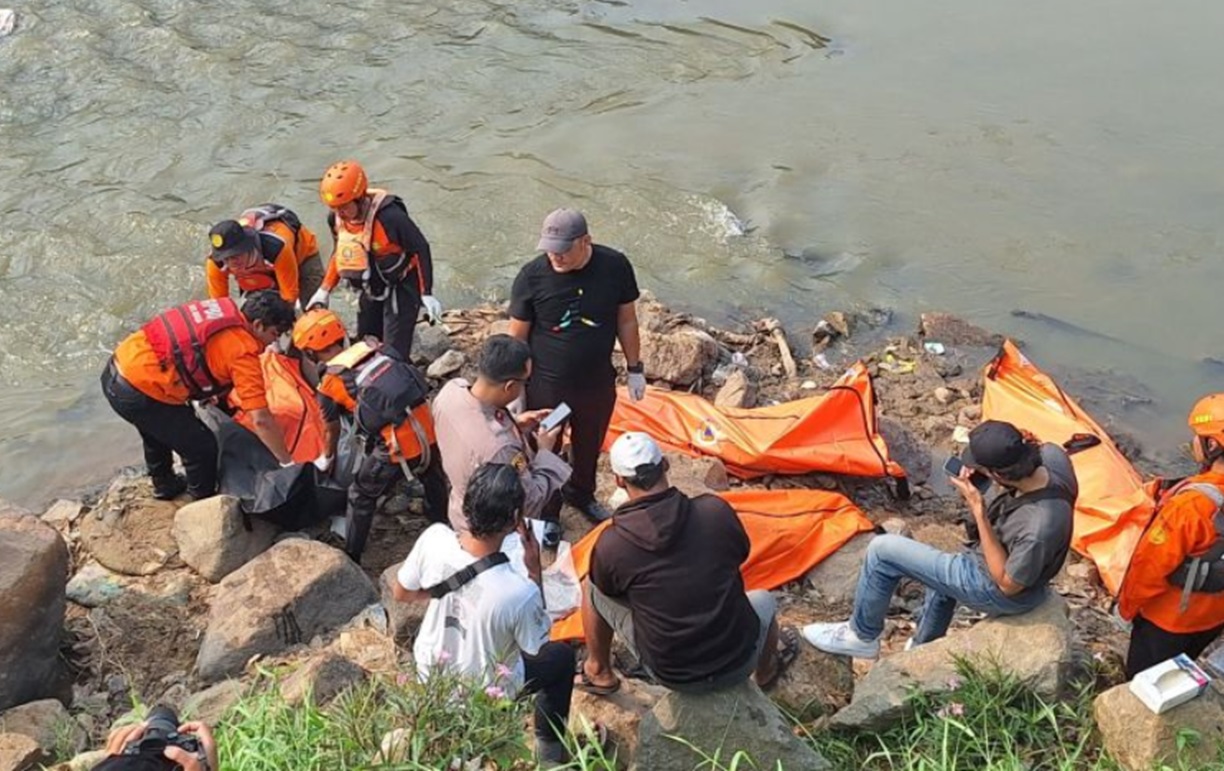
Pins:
x: 229, y: 238
x: 995, y: 445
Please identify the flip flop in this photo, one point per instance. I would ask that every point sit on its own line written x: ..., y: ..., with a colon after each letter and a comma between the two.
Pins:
x: 788, y: 651
x: 583, y: 683
x: 598, y: 736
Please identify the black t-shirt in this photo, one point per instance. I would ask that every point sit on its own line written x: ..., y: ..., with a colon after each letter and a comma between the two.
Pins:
x: 573, y: 315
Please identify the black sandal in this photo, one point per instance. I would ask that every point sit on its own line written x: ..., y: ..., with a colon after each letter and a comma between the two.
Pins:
x: 788, y: 651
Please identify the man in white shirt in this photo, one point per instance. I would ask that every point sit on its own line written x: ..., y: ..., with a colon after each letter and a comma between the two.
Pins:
x: 474, y: 426
x: 486, y: 621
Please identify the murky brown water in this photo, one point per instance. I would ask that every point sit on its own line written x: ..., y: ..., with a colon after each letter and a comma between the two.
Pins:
x: 974, y: 157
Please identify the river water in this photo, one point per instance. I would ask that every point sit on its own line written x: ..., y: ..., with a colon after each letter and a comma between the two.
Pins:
x: 777, y: 155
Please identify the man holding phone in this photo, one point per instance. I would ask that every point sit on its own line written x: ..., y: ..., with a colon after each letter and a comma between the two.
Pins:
x: 474, y: 426
x: 1025, y: 534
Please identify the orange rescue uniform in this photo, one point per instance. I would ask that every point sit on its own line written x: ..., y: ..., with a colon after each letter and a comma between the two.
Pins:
x: 1182, y: 527
x: 283, y: 253
x: 232, y: 356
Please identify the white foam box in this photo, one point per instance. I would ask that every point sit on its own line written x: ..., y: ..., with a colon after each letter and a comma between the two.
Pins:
x: 1169, y: 683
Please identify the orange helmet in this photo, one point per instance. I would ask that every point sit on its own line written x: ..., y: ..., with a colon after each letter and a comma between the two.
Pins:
x: 342, y: 183
x: 1207, y: 417
x: 317, y: 329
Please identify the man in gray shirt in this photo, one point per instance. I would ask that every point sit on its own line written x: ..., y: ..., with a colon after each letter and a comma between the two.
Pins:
x: 474, y: 426
x: 1022, y: 540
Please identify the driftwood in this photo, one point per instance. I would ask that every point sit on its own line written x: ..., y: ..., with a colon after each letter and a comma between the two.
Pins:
x: 775, y: 331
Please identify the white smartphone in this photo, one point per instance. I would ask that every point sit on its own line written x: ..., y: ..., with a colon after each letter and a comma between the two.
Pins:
x: 556, y: 417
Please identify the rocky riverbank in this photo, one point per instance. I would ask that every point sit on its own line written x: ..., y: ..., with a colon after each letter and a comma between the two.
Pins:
x: 179, y: 604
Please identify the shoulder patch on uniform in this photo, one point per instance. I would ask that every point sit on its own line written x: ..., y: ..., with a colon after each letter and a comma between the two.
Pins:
x: 1157, y: 535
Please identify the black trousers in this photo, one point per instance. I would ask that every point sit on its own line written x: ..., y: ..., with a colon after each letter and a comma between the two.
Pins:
x: 592, y: 407
x: 550, y: 676
x: 392, y: 320
x: 165, y: 429
x: 375, y: 476
x: 1150, y: 645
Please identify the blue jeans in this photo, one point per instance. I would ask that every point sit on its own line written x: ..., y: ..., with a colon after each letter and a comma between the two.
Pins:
x: 949, y: 579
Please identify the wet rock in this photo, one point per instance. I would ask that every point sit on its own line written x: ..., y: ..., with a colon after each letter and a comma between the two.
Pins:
x: 94, y: 585
x: 210, y: 704
x: 447, y: 364
x: 1140, y: 740
x: 906, y: 449
x: 33, y: 575
x: 284, y: 597
x: 740, y: 719
x: 213, y: 539
x: 621, y: 713
x: 834, y: 580
x: 737, y: 393
x: 46, y: 722
x: 403, y: 618
x: 19, y: 752
x: 321, y: 679
x: 429, y: 344
x: 696, y: 476
x: 679, y: 357
x: 816, y: 684
x: 955, y: 331
x: 128, y: 531
x: 883, y: 696
x: 63, y: 513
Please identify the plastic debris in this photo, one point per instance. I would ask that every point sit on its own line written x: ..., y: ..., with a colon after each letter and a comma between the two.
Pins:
x: 8, y: 21
x: 820, y: 361
x: 934, y: 348
x: 897, y: 366
x: 808, y: 385
x: 960, y: 435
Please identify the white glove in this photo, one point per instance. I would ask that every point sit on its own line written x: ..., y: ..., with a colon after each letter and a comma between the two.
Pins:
x: 637, y: 386
x: 290, y: 464
x: 323, y: 462
x: 319, y: 299
x: 432, y: 308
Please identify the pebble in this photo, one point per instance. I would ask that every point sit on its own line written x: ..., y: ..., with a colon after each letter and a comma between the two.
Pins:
x: 808, y: 385
x: 944, y: 395
x: 8, y: 21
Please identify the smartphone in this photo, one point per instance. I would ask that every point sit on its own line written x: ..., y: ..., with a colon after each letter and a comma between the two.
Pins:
x: 556, y: 417
x: 952, y: 467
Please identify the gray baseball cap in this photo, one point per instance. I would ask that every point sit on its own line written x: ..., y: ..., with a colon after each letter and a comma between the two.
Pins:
x: 560, y: 230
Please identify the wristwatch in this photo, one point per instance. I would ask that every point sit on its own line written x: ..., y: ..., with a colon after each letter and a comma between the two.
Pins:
x: 635, y: 369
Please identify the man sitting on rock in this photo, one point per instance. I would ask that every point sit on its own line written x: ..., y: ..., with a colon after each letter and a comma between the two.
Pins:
x: 485, y: 621
x: 665, y: 577
x: 1022, y: 539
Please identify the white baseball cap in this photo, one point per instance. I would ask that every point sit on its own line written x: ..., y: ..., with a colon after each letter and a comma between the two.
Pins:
x: 631, y: 450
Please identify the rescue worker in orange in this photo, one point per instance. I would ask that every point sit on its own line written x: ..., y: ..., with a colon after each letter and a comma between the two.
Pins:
x: 386, y: 396
x: 1173, y: 591
x: 267, y: 247
x: 195, y: 352
x: 380, y: 252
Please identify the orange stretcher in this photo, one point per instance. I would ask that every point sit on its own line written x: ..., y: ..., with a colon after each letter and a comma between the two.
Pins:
x: 292, y: 402
x: 1113, y: 506
x: 835, y: 432
x: 790, y: 532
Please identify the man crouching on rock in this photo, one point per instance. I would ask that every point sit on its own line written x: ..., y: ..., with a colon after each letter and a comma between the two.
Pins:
x: 665, y: 576
x: 1024, y: 535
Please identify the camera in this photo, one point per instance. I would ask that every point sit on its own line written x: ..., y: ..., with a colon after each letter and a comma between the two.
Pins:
x: 161, y: 731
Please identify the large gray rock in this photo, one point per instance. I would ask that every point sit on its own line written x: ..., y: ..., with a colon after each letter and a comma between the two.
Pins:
x: 33, y: 574
x: 128, y: 531
x: 1043, y: 660
x: 737, y: 392
x: 816, y: 684
x: 19, y: 752
x: 94, y: 586
x: 429, y: 343
x: 63, y: 513
x: 447, y: 364
x: 835, y: 578
x: 212, y: 537
x: 46, y: 722
x: 620, y: 713
x: 321, y: 679
x: 739, y: 719
x: 1140, y: 740
x: 678, y: 357
x: 211, y: 704
x: 284, y: 597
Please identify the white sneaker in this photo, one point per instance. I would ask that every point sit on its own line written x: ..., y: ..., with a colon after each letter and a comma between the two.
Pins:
x: 841, y: 639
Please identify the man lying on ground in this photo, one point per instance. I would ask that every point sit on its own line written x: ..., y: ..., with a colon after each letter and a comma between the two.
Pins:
x: 1020, y: 542
x: 665, y: 577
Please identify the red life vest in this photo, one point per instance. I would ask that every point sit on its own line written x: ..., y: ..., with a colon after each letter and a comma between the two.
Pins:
x: 178, y: 337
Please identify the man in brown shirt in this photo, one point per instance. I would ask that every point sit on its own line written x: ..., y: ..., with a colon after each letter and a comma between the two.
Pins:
x: 474, y: 426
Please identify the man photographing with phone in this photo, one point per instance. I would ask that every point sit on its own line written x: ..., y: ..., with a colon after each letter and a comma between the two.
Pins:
x: 1025, y: 533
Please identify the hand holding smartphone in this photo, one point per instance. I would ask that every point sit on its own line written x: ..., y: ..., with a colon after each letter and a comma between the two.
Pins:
x: 556, y: 417
x: 953, y: 466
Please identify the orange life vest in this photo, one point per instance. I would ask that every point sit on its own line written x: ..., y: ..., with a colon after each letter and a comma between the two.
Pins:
x: 387, y: 397
x: 292, y: 404
x: 352, y: 256
x: 261, y: 273
x: 178, y: 337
